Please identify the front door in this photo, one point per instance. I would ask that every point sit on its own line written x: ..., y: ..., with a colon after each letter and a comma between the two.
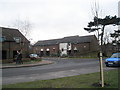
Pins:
x: 48, y: 53
x: 4, y: 54
x: 14, y: 54
x: 41, y: 53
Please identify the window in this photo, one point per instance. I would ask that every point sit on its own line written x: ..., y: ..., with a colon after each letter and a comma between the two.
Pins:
x: 17, y: 39
x: 69, y: 46
x: 2, y: 39
x: 47, y: 49
x: 115, y: 55
x: 54, y: 49
x: 42, y: 50
x: 62, y: 49
x: 4, y: 54
x: 75, y: 50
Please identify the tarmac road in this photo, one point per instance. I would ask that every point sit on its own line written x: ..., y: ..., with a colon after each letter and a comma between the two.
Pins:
x: 61, y: 68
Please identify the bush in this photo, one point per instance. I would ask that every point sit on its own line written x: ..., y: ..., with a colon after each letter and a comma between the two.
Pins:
x: 54, y: 55
x: 26, y: 59
x: 4, y: 61
x: 64, y: 55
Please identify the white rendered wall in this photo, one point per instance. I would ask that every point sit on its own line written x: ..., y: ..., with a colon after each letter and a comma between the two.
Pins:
x: 64, y: 47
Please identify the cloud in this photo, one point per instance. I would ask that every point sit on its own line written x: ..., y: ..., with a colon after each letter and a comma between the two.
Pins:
x: 54, y: 18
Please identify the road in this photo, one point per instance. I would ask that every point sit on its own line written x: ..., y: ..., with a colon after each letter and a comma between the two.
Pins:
x: 61, y: 68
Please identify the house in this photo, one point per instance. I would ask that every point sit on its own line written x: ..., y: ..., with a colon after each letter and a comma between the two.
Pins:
x: 110, y: 48
x: 69, y: 46
x: 11, y: 41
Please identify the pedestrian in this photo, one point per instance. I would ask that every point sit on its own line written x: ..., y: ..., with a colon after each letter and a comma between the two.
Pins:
x: 19, y: 57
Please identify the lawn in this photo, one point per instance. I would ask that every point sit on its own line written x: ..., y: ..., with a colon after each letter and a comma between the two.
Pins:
x: 79, y: 81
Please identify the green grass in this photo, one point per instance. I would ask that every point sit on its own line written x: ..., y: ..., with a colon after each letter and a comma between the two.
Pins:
x: 80, y: 81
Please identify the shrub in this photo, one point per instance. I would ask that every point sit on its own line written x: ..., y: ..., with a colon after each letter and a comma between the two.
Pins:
x: 4, y: 61
x: 64, y: 55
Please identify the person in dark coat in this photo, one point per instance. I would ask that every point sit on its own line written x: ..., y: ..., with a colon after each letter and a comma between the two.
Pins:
x: 19, y: 57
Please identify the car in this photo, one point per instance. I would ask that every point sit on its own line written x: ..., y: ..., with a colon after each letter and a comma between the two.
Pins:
x: 34, y: 56
x: 114, y: 60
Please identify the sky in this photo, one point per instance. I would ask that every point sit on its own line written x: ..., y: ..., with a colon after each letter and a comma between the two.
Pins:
x: 52, y: 19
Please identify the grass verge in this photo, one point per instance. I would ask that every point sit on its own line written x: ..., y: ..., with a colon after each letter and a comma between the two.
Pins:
x: 80, y: 81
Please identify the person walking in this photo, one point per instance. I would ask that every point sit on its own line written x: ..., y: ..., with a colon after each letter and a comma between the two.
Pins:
x: 19, y: 57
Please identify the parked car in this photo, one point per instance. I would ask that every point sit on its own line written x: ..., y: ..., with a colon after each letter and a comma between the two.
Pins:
x: 114, y: 60
x: 34, y: 56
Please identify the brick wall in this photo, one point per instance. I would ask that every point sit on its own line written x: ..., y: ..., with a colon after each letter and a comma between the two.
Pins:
x: 82, y: 47
x: 52, y: 49
x: 10, y: 48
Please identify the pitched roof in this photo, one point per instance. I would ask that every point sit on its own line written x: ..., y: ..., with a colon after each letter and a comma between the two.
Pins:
x: 48, y: 42
x: 10, y: 34
x: 70, y: 39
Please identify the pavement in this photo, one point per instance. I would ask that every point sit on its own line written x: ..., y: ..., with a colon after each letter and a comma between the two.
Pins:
x: 43, y: 62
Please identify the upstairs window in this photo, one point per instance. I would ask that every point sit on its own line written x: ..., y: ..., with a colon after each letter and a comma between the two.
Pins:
x: 17, y: 39
x: 2, y: 39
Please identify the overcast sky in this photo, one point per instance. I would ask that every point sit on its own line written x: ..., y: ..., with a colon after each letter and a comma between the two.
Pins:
x: 53, y: 19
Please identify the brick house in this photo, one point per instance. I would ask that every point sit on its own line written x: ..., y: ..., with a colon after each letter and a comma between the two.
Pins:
x: 11, y: 41
x: 110, y: 48
x: 72, y: 46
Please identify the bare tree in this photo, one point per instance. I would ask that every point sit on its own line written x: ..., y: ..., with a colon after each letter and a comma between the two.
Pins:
x: 94, y: 26
x: 106, y: 38
x: 24, y: 26
x: 95, y: 12
x: 106, y: 41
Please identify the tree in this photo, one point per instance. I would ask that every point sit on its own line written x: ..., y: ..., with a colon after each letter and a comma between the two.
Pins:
x: 106, y: 42
x: 95, y: 12
x: 106, y: 38
x: 93, y: 26
x: 108, y: 20
x: 24, y: 26
x: 116, y: 36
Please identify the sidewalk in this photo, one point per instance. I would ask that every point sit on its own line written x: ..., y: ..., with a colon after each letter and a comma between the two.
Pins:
x: 43, y: 62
